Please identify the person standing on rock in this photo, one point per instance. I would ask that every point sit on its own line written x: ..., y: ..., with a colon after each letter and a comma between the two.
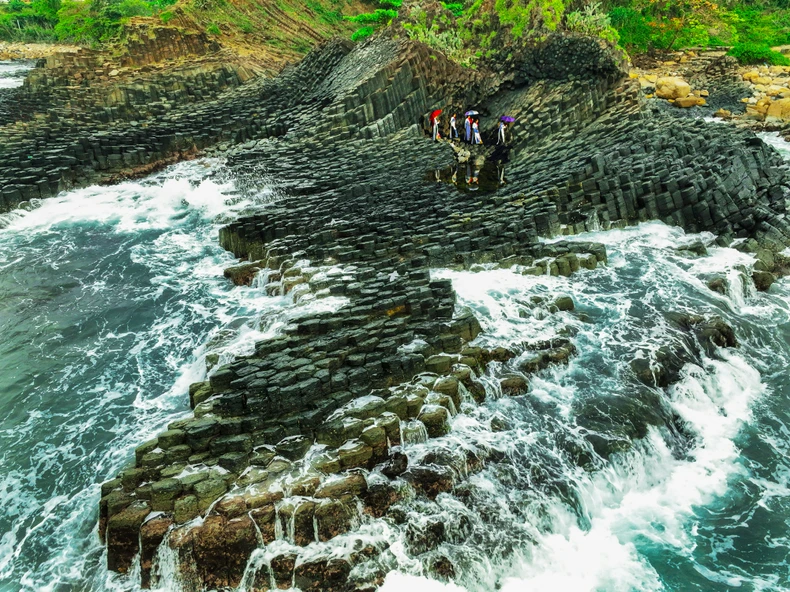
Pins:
x: 468, y: 129
x: 476, y: 131
x: 453, y: 129
x: 501, y: 133
x: 436, y: 135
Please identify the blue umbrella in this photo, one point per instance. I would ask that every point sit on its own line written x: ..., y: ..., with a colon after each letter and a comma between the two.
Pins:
x: 471, y: 113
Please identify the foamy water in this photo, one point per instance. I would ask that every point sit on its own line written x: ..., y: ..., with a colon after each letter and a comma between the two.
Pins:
x: 110, y: 299
x: 12, y: 74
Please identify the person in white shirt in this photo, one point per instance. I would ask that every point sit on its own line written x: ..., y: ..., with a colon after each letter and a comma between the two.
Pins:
x: 453, y: 129
x: 501, y: 134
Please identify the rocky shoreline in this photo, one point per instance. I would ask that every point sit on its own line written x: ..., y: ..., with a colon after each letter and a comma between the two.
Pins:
x: 299, y: 443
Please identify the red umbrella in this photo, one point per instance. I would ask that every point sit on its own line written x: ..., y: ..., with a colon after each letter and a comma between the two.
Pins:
x: 434, y: 114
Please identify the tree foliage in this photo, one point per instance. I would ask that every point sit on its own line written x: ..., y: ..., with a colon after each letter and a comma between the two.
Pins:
x: 674, y: 24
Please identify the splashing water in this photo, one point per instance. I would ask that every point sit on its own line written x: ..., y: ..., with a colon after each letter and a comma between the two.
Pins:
x: 110, y: 298
x: 649, y: 519
x: 12, y: 73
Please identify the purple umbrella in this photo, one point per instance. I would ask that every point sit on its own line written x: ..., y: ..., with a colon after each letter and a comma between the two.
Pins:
x: 507, y: 119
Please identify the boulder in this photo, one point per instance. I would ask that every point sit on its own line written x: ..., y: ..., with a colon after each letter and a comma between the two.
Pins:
x: 335, y: 517
x: 221, y: 548
x: 265, y: 517
x: 380, y: 496
x: 672, y: 87
x: 513, y: 385
x: 297, y: 518
x: 778, y: 110
x: 436, y: 419
x: 348, y: 484
x: 763, y: 280
x: 690, y: 101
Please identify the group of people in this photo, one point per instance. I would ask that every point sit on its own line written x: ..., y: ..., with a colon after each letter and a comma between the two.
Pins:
x: 471, y: 128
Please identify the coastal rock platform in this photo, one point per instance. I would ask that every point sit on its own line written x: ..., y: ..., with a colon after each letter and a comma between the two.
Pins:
x: 300, y: 443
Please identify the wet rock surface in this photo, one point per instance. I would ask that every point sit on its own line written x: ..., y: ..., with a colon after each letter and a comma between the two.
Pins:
x: 298, y: 443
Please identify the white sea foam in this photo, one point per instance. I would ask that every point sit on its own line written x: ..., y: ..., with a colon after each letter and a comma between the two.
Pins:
x: 647, y: 496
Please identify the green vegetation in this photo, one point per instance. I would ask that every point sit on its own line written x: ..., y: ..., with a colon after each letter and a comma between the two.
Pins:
x: 465, y: 30
x: 456, y: 8
x: 370, y: 21
x: 91, y: 22
x: 362, y: 33
x: 521, y: 15
x: 751, y: 27
x: 593, y: 22
x: 378, y: 17
x: 441, y: 33
x: 81, y: 21
x: 752, y: 53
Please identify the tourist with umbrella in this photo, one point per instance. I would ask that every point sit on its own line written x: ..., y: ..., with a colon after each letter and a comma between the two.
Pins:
x: 503, y: 123
x: 468, y: 126
x: 476, y: 139
x: 434, y: 119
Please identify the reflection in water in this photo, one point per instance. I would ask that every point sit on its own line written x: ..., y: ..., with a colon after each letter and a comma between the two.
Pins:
x: 478, y: 174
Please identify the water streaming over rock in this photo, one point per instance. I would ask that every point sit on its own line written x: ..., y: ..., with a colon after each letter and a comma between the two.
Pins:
x: 110, y: 299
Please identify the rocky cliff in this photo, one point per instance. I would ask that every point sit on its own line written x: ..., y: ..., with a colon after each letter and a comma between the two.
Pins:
x: 298, y: 443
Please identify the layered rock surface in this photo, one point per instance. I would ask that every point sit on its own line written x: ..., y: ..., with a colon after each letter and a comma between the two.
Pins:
x: 299, y: 443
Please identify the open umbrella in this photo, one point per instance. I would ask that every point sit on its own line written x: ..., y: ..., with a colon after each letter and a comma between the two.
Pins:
x: 434, y: 114
x: 507, y: 119
x: 471, y: 113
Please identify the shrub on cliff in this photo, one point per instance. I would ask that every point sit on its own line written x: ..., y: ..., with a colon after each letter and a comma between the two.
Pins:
x: 362, y: 33
x: 753, y: 53
x: 437, y: 27
x: 371, y: 21
x: 591, y: 21
x: 518, y: 18
x: 377, y: 17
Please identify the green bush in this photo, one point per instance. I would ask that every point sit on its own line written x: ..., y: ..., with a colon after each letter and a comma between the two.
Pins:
x: 770, y: 27
x: 362, y: 33
x: 378, y: 17
x: 213, y: 29
x: 129, y: 8
x: 455, y: 7
x: 76, y: 23
x: 593, y: 22
x: 632, y: 27
x: 753, y: 53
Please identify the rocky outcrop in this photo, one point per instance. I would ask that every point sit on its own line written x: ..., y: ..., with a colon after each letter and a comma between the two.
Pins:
x: 292, y: 445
